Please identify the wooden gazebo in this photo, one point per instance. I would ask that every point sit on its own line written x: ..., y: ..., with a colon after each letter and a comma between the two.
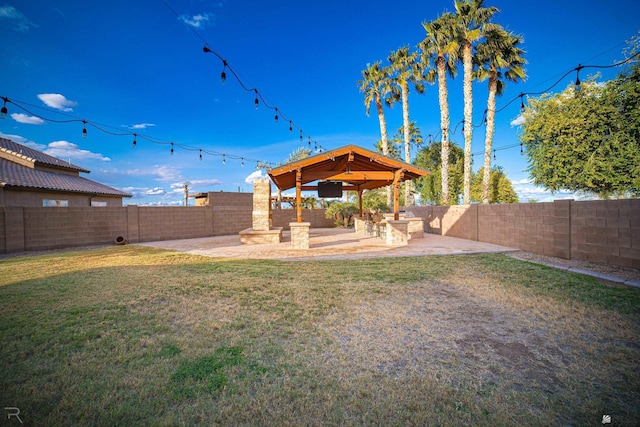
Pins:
x: 356, y: 168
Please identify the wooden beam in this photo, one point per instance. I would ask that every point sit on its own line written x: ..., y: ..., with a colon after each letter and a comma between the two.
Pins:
x: 299, y: 195
x: 353, y: 176
x: 315, y: 188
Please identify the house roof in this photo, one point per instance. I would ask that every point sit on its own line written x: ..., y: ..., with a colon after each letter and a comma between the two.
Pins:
x: 356, y: 166
x: 35, y: 156
x: 14, y: 175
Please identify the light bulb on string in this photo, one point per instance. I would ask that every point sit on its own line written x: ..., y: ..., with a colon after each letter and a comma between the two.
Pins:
x: 255, y: 101
x: 276, y: 117
x: 578, y: 84
x: 135, y: 135
x: 223, y: 74
x: 4, y: 111
x: 521, y: 102
x: 300, y: 135
x: 201, y: 154
x: 224, y: 161
x: 290, y: 126
x: 172, y: 148
x: 242, y: 163
x: 494, y: 154
x: 309, y: 141
x: 84, y: 129
x: 521, y: 149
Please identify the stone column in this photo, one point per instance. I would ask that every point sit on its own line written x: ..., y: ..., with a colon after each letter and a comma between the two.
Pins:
x: 300, y: 235
x: 397, y: 233
x: 261, y: 215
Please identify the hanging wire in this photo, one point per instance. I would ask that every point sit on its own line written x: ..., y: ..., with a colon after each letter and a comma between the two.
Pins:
x: 118, y: 132
x: 226, y: 66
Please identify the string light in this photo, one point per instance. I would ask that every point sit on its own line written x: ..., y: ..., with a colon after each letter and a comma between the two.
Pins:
x: 224, y: 161
x: 290, y: 126
x: 522, y: 102
x: 84, y: 129
x: 223, y: 75
x: 116, y: 132
x: 4, y: 111
x: 201, y: 154
x: 242, y: 163
x: 578, y: 84
x: 255, y: 101
x: 494, y: 154
x: 276, y: 117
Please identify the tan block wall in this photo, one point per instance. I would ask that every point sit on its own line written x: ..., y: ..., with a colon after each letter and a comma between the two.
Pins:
x: 597, y: 231
x: 603, y: 231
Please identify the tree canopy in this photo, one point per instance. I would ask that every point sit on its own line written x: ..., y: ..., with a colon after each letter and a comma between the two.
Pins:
x: 587, y: 140
x: 430, y: 186
x: 500, y: 187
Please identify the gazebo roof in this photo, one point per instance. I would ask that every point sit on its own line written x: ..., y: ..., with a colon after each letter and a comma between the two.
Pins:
x: 359, y: 168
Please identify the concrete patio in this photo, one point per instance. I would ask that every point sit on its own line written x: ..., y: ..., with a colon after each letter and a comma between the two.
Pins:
x: 327, y: 243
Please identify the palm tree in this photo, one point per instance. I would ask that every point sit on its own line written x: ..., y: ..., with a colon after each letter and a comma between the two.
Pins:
x: 375, y: 85
x: 473, y: 20
x: 498, y: 58
x: 441, y: 48
x: 405, y: 70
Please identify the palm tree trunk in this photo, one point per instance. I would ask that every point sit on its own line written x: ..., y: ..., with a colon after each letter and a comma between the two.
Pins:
x: 488, y: 141
x: 444, y: 126
x: 468, y: 122
x: 407, y: 138
x: 383, y: 138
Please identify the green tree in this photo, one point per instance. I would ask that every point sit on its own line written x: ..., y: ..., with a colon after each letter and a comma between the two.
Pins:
x: 430, y: 186
x: 405, y: 71
x: 500, y: 187
x: 498, y: 59
x: 376, y: 86
x: 441, y: 48
x: 588, y: 140
x: 342, y: 212
x: 472, y: 21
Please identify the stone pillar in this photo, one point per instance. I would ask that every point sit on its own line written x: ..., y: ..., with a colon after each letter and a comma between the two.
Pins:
x: 261, y: 215
x: 300, y: 235
x: 360, y: 225
x: 397, y: 233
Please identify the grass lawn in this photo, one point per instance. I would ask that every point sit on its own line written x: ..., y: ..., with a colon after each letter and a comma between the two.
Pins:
x: 137, y: 336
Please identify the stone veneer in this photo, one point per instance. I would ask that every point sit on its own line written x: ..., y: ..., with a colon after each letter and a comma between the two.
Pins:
x: 300, y: 235
x: 396, y: 234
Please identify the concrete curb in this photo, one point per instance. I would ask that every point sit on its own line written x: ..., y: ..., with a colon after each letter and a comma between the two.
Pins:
x: 595, y: 274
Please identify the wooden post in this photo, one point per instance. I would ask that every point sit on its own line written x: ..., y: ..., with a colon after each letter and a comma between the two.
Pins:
x: 398, y: 175
x: 360, y: 200
x: 299, y: 195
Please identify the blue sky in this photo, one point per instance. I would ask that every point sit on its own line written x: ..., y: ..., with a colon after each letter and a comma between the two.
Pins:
x: 139, y: 67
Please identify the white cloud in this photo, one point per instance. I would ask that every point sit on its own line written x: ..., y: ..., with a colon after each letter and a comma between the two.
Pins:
x: 166, y: 173
x: 518, y: 121
x: 29, y: 120
x: 255, y: 175
x: 142, y: 125
x: 16, y: 18
x: 197, y: 21
x: 65, y: 150
x: 156, y: 191
x: 196, y: 183
x: 57, y: 101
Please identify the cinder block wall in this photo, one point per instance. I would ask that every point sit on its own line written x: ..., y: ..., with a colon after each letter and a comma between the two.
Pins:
x: 603, y: 231
x: 597, y: 231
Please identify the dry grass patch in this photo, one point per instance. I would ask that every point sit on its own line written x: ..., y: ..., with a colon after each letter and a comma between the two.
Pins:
x: 133, y: 335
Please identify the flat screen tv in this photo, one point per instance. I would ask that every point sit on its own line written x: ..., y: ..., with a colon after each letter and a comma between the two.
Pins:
x: 329, y: 189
